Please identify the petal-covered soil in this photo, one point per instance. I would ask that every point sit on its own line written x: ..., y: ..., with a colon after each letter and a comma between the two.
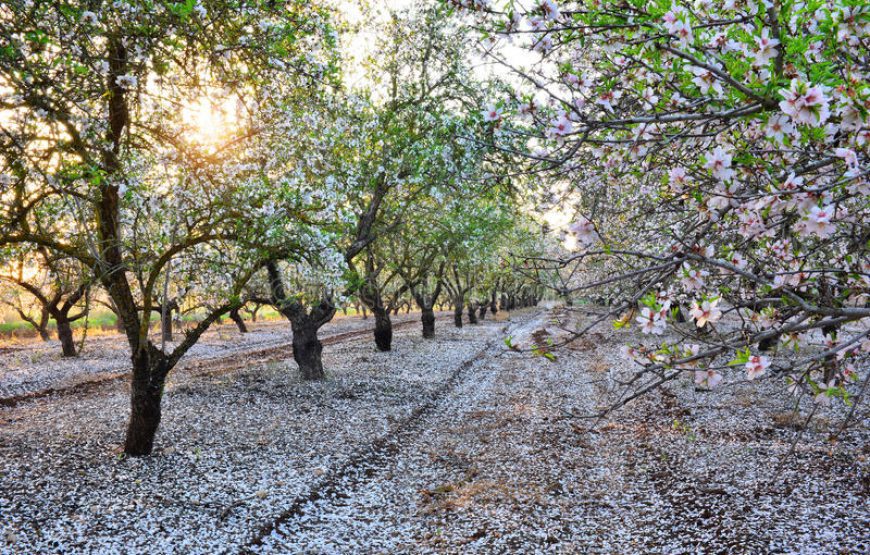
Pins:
x: 451, y: 445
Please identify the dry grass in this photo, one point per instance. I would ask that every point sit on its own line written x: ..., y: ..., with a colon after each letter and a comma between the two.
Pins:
x: 788, y: 419
x: 459, y: 496
x: 599, y: 367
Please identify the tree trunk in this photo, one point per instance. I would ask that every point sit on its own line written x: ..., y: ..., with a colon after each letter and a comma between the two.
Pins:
x: 828, y: 294
x: 383, y: 329
x: 472, y: 313
x: 44, y: 334
x: 457, y: 313
x: 145, y: 397
x: 427, y: 316
x: 481, y: 314
x: 365, y: 314
x: 237, y: 318
x: 65, y: 334
x: 308, y: 350
x: 166, y: 325
x: 493, y: 305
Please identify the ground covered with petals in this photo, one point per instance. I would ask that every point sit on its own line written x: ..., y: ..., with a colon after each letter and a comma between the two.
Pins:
x: 452, y: 445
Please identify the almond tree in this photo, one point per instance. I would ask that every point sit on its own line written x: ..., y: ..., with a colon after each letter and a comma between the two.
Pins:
x: 93, y: 98
x: 721, y: 154
x: 58, y: 288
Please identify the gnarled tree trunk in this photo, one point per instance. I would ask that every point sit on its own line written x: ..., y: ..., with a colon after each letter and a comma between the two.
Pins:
x: 307, y: 349
x: 383, y: 329
x: 65, y: 334
x: 427, y: 317
x: 472, y: 313
x: 237, y: 318
x: 166, y: 325
x: 457, y: 312
x: 150, y: 368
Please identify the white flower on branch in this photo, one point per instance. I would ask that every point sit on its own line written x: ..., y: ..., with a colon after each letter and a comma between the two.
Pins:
x: 756, y: 366
x: 704, y: 312
x: 708, y: 378
x: 651, y: 322
x: 805, y: 104
x: 492, y: 113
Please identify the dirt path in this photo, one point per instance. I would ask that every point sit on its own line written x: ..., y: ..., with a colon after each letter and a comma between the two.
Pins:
x: 496, y: 467
x: 371, y: 461
x: 237, y: 448
x: 453, y: 445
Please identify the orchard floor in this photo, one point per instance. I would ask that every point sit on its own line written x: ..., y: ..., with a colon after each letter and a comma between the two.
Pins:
x: 451, y: 445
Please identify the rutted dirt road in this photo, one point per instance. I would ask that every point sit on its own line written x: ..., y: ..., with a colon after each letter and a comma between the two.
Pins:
x: 453, y: 445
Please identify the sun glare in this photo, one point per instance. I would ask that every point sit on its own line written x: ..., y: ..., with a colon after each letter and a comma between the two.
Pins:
x: 209, y: 121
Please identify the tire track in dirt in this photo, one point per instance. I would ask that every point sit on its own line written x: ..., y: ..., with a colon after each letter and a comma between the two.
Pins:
x: 197, y: 367
x: 370, y: 459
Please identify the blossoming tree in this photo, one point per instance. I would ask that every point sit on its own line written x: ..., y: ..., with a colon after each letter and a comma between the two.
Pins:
x: 93, y: 98
x: 720, y: 152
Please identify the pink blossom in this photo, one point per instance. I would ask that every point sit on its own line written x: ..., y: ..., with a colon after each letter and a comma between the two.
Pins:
x: 848, y: 155
x: 683, y: 32
x: 805, y: 104
x: 527, y: 110
x: 814, y: 51
x: 550, y: 9
x: 707, y: 81
x: 818, y: 221
x: 584, y: 230
x: 792, y: 183
x: 705, y: 312
x: 693, y: 279
x: 767, y: 47
x: 678, y: 177
x: 719, y: 164
x: 544, y: 45
x: 777, y: 127
x: 738, y: 260
x: 751, y: 223
x: 608, y: 98
x: 536, y: 23
x: 756, y: 366
x: 850, y: 117
x: 708, y: 378
x: 651, y: 322
x: 492, y: 113
x: 688, y: 352
x: 561, y: 126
